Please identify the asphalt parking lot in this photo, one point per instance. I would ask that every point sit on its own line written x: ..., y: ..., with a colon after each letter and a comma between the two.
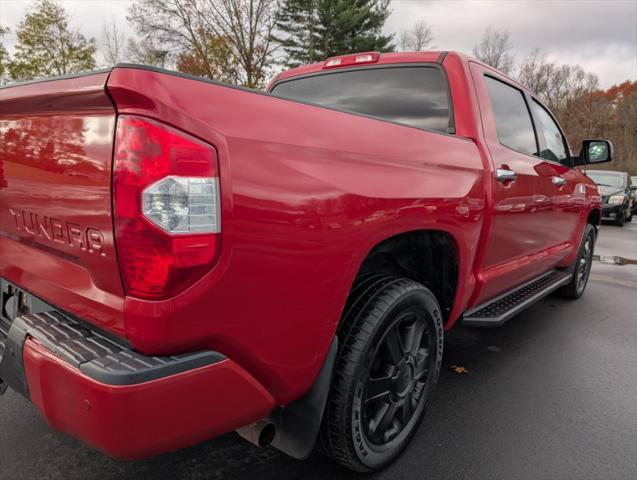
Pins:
x: 552, y: 394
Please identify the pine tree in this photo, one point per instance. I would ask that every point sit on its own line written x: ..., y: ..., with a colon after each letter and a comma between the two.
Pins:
x: 313, y: 30
x: 298, y: 21
x: 351, y: 26
x: 47, y: 46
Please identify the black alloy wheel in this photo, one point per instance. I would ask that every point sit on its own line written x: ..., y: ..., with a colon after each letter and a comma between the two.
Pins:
x: 392, y: 393
x: 390, y: 352
x: 584, y: 264
x: 581, y: 268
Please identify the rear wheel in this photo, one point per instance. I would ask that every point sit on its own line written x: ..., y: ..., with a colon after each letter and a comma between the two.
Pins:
x: 386, y: 372
x: 582, y: 266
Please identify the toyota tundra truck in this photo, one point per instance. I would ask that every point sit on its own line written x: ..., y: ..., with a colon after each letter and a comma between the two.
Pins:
x: 181, y: 258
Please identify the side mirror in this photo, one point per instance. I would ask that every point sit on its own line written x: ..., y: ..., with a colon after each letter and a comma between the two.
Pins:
x: 595, y: 151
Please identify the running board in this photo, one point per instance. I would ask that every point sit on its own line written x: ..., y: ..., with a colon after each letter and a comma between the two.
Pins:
x: 498, y: 310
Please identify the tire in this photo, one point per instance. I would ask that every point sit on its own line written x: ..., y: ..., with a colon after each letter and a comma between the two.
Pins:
x: 390, y: 352
x: 582, y: 266
x: 629, y: 218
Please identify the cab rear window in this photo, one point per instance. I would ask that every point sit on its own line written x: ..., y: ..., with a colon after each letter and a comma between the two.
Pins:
x: 413, y: 96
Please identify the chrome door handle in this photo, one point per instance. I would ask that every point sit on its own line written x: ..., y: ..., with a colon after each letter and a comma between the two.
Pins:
x: 503, y: 175
x: 559, y: 181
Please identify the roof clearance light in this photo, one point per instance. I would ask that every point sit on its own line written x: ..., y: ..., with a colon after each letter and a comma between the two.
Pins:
x: 354, y: 59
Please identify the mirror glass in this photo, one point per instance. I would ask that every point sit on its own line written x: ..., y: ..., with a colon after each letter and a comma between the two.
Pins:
x: 598, y: 152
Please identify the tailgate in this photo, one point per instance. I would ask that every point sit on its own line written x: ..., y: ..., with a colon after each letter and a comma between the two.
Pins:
x: 56, y: 227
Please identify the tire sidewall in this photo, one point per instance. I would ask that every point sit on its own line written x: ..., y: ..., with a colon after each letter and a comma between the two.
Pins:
x: 589, y: 232
x: 374, y: 457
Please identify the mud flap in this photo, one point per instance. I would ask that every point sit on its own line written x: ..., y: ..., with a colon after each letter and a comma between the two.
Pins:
x: 298, y: 424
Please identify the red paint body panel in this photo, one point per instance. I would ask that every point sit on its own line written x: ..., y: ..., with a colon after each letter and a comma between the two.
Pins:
x: 131, y: 422
x: 306, y: 193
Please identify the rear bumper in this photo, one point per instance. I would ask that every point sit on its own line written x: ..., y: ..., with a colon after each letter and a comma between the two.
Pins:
x: 118, y: 401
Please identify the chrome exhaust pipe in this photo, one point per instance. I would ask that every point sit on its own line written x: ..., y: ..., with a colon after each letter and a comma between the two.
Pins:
x: 259, y: 433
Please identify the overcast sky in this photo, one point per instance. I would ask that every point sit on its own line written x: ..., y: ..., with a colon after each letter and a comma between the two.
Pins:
x: 600, y: 35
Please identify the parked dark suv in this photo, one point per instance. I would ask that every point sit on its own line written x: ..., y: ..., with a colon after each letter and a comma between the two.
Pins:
x: 617, y: 195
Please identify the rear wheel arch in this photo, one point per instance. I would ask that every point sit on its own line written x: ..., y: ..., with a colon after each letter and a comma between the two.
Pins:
x: 430, y: 257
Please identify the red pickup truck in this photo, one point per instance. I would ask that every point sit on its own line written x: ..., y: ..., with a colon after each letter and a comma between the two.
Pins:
x: 181, y: 258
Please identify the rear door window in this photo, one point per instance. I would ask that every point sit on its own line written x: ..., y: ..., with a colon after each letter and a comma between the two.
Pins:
x: 512, y: 117
x: 414, y: 96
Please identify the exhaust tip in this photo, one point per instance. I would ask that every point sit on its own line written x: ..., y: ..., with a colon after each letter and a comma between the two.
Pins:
x: 260, y: 433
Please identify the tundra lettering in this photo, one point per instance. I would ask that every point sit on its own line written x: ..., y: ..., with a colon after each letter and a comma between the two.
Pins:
x: 53, y: 229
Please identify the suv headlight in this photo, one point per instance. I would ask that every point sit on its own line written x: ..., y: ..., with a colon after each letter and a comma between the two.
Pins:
x: 616, y: 199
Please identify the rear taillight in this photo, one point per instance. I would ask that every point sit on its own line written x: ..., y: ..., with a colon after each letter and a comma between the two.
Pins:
x: 166, y: 207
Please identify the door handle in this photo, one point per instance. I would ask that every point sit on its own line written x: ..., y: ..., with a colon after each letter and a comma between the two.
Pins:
x: 559, y: 181
x: 505, y: 175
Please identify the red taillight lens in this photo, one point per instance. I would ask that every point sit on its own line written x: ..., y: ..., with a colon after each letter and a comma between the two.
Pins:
x: 166, y: 204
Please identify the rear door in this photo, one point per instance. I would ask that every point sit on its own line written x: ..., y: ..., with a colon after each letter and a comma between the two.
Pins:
x: 521, y: 210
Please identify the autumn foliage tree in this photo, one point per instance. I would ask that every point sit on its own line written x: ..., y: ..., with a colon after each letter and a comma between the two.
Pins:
x: 246, y: 26
x: 224, y: 67
x: 611, y: 114
x: 583, y: 109
x: 228, y: 40
x: 48, y: 46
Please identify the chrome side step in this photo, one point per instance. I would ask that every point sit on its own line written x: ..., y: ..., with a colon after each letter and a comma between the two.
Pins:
x: 494, y: 312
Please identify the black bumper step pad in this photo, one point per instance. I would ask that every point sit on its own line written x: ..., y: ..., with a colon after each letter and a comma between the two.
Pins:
x: 92, y: 353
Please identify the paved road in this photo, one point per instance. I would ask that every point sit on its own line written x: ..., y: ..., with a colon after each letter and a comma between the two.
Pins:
x: 552, y: 394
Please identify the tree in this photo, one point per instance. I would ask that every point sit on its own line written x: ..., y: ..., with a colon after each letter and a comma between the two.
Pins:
x: 535, y: 73
x: 300, y: 35
x: 224, y: 68
x: 312, y: 30
x: 223, y: 39
x: 167, y: 29
x: 48, y: 46
x: 4, y: 55
x: 495, y: 49
x: 557, y: 85
x: 147, y: 52
x: 610, y: 114
x: 113, y: 44
x: 582, y: 109
x: 247, y: 25
x: 420, y: 37
x: 350, y: 26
